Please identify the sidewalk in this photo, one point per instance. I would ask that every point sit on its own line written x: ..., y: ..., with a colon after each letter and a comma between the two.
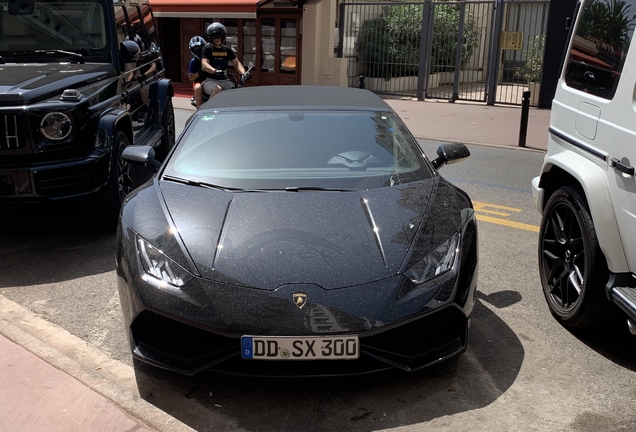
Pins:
x: 54, y: 381
x: 472, y: 123
x: 36, y: 396
x: 465, y: 122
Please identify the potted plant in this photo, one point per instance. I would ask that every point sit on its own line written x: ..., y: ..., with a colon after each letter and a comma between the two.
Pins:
x: 532, y: 69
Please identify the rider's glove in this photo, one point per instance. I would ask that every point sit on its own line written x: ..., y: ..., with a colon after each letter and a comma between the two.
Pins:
x: 244, y: 77
x: 219, y: 75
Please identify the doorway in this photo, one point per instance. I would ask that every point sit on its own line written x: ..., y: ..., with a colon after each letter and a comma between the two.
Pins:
x: 271, y: 42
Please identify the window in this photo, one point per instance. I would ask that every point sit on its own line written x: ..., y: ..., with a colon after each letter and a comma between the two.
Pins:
x: 232, y: 37
x: 149, y: 24
x: 138, y: 27
x: 288, y: 46
x: 122, y: 24
x: 249, y: 41
x: 70, y: 26
x: 268, y: 44
x: 299, y: 148
x: 601, y: 41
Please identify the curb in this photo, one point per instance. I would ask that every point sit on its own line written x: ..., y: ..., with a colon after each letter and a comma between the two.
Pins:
x: 110, y: 378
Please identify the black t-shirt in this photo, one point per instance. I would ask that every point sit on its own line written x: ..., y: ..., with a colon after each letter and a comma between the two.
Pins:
x: 219, y: 57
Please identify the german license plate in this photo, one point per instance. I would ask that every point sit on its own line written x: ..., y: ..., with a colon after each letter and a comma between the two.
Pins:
x: 300, y: 348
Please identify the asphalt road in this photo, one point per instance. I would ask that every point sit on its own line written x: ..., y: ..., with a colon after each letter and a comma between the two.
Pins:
x: 522, y: 371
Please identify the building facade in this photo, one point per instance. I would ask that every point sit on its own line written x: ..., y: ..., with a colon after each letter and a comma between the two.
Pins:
x: 288, y: 41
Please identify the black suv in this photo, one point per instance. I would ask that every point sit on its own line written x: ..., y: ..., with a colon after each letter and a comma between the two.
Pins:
x: 80, y: 80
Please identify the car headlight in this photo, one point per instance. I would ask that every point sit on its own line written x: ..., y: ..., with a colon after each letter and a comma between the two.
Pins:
x: 437, y: 262
x: 160, y: 270
x: 56, y: 126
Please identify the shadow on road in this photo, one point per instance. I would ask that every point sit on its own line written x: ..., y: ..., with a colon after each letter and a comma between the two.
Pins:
x: 611, y: 339
x: 42, y: 244
x: 365, y: 403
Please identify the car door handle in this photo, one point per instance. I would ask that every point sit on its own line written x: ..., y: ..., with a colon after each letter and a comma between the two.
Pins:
x: 616, y: 164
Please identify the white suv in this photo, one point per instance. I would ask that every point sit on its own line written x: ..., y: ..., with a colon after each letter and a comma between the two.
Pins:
x: 587, y: 189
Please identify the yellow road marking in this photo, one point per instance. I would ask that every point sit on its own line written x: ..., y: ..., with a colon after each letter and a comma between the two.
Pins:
x: 506, y: 222
x: 492, y: 212
x: 481, y: 207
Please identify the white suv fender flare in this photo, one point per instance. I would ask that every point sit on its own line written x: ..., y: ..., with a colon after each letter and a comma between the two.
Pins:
x: 593, y: 180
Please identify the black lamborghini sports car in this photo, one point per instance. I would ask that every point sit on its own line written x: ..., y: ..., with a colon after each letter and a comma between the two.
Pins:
x: 297, y: 230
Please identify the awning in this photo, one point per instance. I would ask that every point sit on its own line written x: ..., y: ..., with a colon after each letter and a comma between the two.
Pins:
x: 591, y: 60
x: 204, y: 8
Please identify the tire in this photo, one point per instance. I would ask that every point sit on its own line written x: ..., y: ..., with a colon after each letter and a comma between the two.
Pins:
x: 121, y: 180
x: 572, y: 267
x: 168, y: 138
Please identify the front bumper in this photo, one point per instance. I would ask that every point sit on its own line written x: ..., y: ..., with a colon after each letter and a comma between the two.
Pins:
x: 55, y: 181
x: 165, y: 342
x: 537, y: 194
x: 199, y: 326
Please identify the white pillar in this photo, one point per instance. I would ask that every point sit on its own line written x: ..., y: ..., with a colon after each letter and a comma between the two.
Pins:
x: 319, y: 65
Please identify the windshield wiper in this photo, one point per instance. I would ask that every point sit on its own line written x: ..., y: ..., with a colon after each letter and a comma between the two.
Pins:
x: 232, y: 189
x: 199, y: 183
x: 315, y: 188
x: 70, y: 55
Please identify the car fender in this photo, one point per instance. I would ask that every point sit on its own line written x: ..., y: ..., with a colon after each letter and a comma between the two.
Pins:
x: 112, y: 121
x: 537, y: 194
x: 592, y: 180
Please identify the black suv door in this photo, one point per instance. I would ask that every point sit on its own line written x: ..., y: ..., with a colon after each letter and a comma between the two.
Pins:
x: 142, y: 74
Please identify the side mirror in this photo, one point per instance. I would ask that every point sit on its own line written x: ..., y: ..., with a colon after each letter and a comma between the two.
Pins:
x: 450, y: 153
x: 130, y: 51
x: 141, y: 155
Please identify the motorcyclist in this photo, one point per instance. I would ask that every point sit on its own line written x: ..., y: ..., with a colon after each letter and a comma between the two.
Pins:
x: 215, y: 58
x: 195, y: 74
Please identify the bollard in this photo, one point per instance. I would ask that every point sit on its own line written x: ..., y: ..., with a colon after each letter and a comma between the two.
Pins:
x: 361, y: 81
x: 525, y: 109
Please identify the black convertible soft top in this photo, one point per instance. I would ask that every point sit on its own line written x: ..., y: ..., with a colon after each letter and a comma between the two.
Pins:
x: 297, y: 96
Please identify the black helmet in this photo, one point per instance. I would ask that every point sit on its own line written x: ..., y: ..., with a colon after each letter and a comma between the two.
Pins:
x: 196, y: 46
x: 216, y: 30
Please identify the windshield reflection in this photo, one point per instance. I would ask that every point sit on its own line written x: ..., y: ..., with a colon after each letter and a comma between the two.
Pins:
x: 346, y: 150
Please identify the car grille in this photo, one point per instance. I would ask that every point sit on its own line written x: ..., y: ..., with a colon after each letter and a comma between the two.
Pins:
x: 10, y: 133
x: 69, y: 182
x: 183, y: 347
x: 421, y: 342
x: 409, y: 347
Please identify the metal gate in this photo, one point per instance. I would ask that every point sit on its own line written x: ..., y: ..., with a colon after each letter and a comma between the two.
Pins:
x: 485, y: 51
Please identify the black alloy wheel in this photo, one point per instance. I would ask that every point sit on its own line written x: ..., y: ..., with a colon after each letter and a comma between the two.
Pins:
x: 121, y: 181
x: 572, y: 266
x: 169, y: 134
x: 124, y: 170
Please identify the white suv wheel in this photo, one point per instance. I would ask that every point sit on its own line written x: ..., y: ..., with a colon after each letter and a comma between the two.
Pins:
x: 571, y: 264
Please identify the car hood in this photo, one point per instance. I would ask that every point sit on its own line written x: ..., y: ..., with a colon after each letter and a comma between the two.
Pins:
x: 28, y: 83
x: 267, y: 239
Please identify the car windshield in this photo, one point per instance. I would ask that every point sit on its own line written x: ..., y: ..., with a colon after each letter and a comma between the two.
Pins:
x: 29, y: 29
x: 313, y: 149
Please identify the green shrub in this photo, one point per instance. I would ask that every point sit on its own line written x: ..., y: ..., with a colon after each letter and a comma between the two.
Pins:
x: 444, y: 46
x: 533, y: 67
x: 389, y: 46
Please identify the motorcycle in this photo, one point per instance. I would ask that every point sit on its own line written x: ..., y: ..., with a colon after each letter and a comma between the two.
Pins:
x: 237, y: 83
